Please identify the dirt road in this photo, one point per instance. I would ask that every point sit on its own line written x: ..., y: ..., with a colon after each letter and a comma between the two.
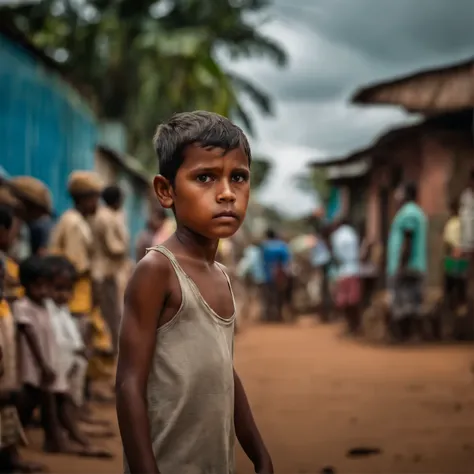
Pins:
x: 316, y: 396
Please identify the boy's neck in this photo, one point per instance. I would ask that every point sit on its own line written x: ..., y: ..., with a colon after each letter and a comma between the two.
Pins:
x: 195, y: 245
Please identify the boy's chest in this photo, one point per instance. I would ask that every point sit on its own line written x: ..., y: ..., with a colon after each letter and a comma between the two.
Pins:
x: 213, y: 287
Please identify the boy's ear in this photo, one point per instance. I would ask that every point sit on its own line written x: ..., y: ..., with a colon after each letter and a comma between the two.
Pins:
x: 163, y: 191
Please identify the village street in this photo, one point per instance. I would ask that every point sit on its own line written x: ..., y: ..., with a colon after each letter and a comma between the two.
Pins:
x: 316, y: 396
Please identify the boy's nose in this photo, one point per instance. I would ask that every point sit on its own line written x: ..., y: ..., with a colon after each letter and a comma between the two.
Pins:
x: 225, y: 193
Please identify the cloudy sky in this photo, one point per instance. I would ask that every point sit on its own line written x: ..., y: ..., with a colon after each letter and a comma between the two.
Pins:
x: 335, y: 46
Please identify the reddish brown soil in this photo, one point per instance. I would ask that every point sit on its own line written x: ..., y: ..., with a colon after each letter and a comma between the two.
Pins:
x: 316, y: 395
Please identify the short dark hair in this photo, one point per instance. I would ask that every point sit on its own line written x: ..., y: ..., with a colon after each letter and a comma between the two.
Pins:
x: 58, y: 264
x: 6, y: 217
x: 206, y: 129
x: 112, y: 195
x: 411, y: 191
x: 32, y: 269
x: 271, y: 234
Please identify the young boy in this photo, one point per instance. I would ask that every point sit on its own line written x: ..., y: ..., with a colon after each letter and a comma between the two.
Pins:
x: 71, y: 363
x: 38, y: 352
x: 11, y: 430
x: 179, y: 400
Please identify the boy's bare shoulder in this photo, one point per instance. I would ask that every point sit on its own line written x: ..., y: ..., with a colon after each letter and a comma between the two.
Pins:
x: 151, y: 274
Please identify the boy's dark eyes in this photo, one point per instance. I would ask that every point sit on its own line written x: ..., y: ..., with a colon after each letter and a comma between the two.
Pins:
x: 236, y: 178
x: 240, y: 177
x: 204, y: 178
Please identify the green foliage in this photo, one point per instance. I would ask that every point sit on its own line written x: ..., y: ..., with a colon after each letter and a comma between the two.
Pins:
x: 260, y: 169
x: 140, y: 61
x: 314, y: 181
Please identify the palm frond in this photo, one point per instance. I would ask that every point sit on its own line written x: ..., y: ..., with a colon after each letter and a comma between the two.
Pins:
x: 260, y: 98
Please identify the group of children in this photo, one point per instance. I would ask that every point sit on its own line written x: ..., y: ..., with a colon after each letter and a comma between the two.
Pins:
x: 43, y: 356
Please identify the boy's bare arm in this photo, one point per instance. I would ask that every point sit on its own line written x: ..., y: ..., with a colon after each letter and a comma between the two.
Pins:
x: 144, y: 299
x: 247, y: 431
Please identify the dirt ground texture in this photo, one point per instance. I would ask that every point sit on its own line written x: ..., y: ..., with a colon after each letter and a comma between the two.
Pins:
x: 317, y: 395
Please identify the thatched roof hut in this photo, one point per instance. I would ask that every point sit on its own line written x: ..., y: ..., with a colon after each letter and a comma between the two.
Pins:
x: 433, y: 91
x: 352, y: 166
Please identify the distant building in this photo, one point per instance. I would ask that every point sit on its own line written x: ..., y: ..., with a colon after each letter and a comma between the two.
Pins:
x: 349, y: 178
x: 437, y: 152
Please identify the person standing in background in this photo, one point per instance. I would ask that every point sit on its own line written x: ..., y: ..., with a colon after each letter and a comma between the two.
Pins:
x: 251, y: 270
x: 455, y: 263
x: 11, y: 209
x: 466, y: 215
x: 320, y: 260
x: 73, y: 238
x: 12, y: 435
x: 155, y: 220
x: 407, y: 263
x: 276, y: 261
x: 111, y: 251
x: 38, y: 205
x: 165, y: 231
x: 348, y: 291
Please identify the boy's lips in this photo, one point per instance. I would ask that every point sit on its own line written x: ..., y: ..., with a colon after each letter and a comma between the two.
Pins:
x: 228, y: 215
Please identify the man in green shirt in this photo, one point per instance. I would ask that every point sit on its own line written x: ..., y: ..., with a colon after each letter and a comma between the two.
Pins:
x: 407, y: 262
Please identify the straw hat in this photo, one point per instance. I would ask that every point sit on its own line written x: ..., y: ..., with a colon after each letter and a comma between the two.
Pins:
x: 8, y: 199
x: 33, y: 190
x: 84, y: 182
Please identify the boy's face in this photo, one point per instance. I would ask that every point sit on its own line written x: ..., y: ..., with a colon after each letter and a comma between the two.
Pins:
x: 89, y: 203
x: 62, y: 288
x: 38, y: 290
x: 211, y: 191
x: 399, y: 196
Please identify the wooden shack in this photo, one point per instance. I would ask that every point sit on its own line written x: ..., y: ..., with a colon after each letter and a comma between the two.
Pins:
x: 350, y: 175
x: 437, y: 153
x: 433, y: 91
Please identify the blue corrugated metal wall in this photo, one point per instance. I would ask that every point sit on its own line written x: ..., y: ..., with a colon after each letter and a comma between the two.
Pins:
x: 46, y: 131
x: 135, y: 207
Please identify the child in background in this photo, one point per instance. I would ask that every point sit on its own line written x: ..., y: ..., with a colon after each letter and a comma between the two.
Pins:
x: 11, y: 430
x: 38, y: 352
x: 13, y: 288
x: 71, y: 364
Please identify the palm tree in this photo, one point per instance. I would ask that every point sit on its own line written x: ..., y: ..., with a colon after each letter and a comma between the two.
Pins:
x: 140, y: 68
x: 261, y: 169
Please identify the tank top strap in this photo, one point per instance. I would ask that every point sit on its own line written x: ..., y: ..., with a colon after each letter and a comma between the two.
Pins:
x: 180, y: 273
x: 229, y: 283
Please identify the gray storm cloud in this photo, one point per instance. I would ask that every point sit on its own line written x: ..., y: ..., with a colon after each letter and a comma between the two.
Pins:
x: 335, y: 46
